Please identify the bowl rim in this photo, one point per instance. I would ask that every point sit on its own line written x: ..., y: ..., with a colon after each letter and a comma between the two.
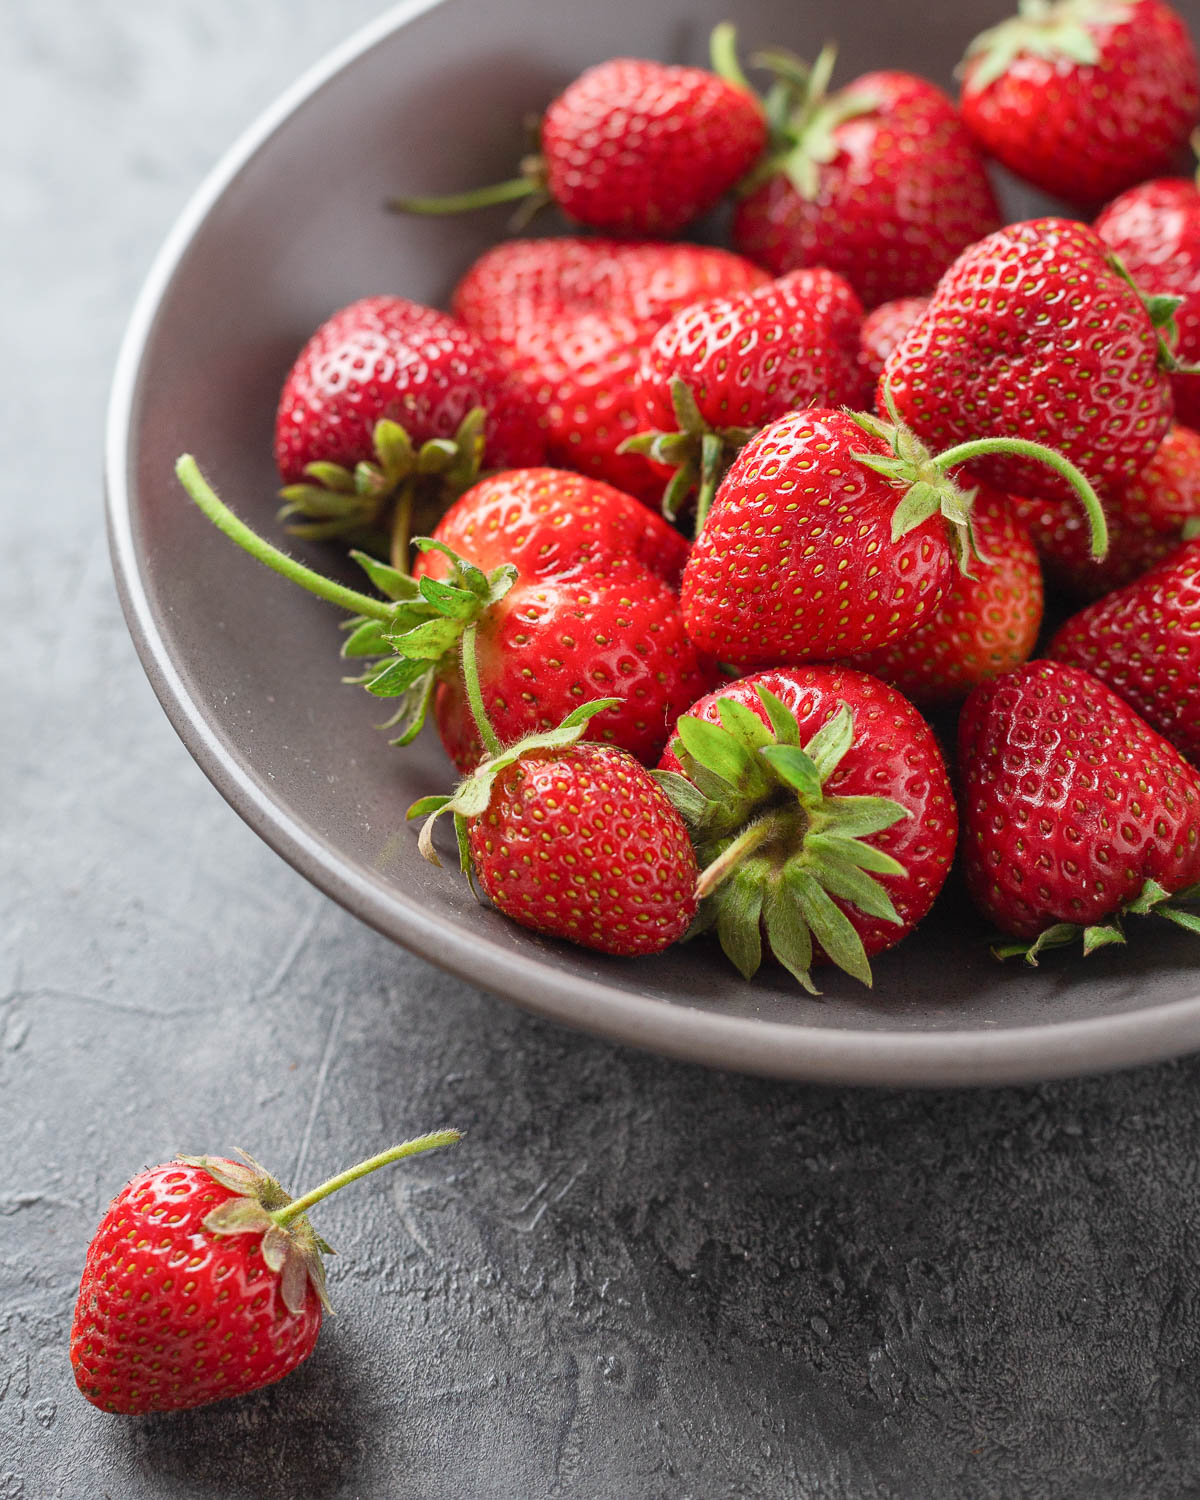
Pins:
x: 1023, y: 1054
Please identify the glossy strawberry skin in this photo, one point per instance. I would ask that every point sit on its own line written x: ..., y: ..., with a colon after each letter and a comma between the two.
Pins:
x: 386, y: 357
x: 1155, y: 229
x: 750, y: 358
x: 987, y: 623
x: 1084, y: 132
x: 1032, y: 334
x: 1144, y: 642
x: 1145, y: 522
x: 642, y: 148
x: 581, y: 844
x: 1070, y: 801
x: 894, y: 754
x: 571, y: 316
x: 906, y: 192
x: 881, y: 331
x: 170, y: 1315
x: 593, y: 613
x: 796, y: 560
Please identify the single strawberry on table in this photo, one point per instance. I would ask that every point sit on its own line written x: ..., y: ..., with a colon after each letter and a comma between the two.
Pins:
x: 1083, y: 98
x: 571, y: 584
x: 571, y: 316
x: 388, y: 413
x: 204, y: 1280
x: 1075, y: 812
x: 1034, y: 334
x: 1143, y: 641
x: 632, y: 147
x: 722, y: 369
x: 821, y: 812
x: 879, y: 182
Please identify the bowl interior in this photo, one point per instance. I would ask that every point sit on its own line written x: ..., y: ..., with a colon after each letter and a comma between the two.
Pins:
x: 290, y: 228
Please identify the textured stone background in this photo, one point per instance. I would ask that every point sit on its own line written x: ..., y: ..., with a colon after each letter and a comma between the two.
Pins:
x: 635, y: 1279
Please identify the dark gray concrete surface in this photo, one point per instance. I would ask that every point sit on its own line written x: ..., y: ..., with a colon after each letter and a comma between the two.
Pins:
x: 634, y: 1279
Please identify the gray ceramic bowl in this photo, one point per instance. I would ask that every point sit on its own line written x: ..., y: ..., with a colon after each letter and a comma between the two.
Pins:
x: 286, y: 229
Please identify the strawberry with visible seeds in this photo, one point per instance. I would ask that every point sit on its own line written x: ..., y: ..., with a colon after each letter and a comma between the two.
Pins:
x: 389, y: 408
x: 1083, y: 98
x: 1148, y: 519
x: 204, y: 1281
x: 880, y: 182
x: 1144, y: 642
x: 1075, y: 812
x: 571, y: 585
x: 632, y: 148
x: 722, y: 369
x: 881, y: 331
x: 986, y: 624
x: 1033, y: 333
x: 821, y: 812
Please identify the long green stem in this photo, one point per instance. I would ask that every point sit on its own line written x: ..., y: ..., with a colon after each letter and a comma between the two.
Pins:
x: 285, y: 1216
x: 199, y: 489
x: 964, y: 453
x: 462, y: 203
x: 470, y: 671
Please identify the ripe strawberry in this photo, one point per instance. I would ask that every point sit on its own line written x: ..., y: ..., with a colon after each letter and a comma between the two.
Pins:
x: 834, y: 851
x: 632, y: 148
x: 1083, y: 97
x: 1074, y: 811
x: 1144, y: 642
x: 571, y: 316
x: 577, y: 598
x: 204, y: 1281
x: 1155, y: 229
x: 390, y: 401
x: 1147, y: 520
x: 987, y: 623
x: 832, y: 534
x: 1033, y: 334
x: 882, y: 330
x: 721, y: 369
x: 569, y: 838
x: 879, y: 182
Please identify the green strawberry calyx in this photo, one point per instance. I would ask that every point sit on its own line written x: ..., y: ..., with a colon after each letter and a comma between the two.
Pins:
x: 408, y: 638
x: 1056, y: 30
x: 928, y: 488
x: 1161, y: 308
x: 1152, y: 900
x: 777, y: 851
x: 699, y: 453
x: 413, y: 484
x: 291, y: 1249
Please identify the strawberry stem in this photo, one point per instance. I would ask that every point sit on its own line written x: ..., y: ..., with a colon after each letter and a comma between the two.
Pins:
x: 964, y: 453
x: 202, y: 493
x: 437, y: 1138
x: 462, y: 203
x: 751, y: 838
x: 470, y: 672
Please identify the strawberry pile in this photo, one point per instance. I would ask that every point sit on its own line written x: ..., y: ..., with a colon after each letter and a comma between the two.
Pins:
x: 675, y: 545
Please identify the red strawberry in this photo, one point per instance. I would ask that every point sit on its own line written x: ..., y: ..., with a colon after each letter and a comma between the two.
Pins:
x: 720, y: 370
x: 987, y: 623
x: 1032, y: 334
x: 571, y: 316
x: 1146, y: 522
x: 1155, y: 229
x: 879, y: 182
x: 831, y: 851
x: 1083, y: 97
x: 568, y: 838
x: 881, y: 331
x: 632, y: 148
x: 429, y: 380
x: 204, y: 1281
x: 1144, y: 642
x: 577, y: 599
x: 831, y: 535
x: 1074, y: 810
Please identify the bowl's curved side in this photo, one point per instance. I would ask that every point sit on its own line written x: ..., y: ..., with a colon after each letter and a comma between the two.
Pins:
x: 678, y: 1017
